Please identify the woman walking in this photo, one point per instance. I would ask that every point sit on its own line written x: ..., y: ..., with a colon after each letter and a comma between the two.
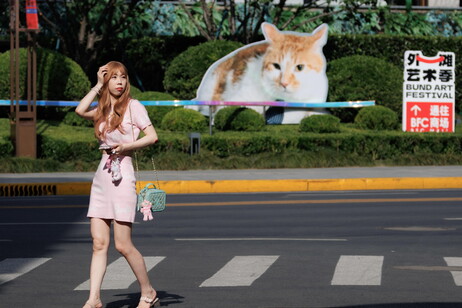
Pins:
x: 118, y: 120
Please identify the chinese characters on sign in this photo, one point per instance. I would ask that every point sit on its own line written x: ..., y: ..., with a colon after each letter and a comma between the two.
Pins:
x: 428, y: 92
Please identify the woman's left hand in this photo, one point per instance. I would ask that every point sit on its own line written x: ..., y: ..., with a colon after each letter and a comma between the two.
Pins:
x: 118, y: 149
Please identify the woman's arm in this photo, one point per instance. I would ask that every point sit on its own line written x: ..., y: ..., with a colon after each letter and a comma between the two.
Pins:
x: 84, y: 105
x: 150, y: 137
x: 83, y: 108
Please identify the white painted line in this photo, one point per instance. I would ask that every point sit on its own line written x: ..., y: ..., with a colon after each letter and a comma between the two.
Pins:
x: 15, y: 267
x: 262, y: 239
x: 454, y: 218
x: 240, y: 271
x: 419, y: 229
x: 119, y: 275
x: 456, y: 275
x: 358, y: 271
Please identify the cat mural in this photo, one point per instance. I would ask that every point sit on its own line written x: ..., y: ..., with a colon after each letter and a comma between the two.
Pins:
x: 286, y: 66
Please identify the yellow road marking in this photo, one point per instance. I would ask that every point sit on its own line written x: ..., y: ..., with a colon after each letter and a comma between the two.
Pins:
x: 269, y: 202
x: 317, y: 201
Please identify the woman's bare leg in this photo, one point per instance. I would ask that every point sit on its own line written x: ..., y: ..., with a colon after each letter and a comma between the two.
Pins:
x: 123, y: 243
x: 100, y: 233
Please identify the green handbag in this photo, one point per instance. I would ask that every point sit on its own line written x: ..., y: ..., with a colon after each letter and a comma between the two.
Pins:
x: 156, y: 197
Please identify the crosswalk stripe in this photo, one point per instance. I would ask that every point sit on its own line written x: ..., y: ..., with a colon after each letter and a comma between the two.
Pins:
x: 456, y: 275
x: 119, y: 274
x: 358, y: 271
x: 15, y: 267
x: 240, y: 271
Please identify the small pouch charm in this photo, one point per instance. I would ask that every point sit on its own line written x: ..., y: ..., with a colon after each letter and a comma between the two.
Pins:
x: 115, y: 170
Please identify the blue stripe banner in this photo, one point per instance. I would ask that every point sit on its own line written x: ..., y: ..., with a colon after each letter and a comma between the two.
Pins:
x: 350, y: 104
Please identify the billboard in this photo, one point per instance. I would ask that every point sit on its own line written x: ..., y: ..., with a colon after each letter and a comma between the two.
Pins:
x: 286, y: 66
x: 428, y: 92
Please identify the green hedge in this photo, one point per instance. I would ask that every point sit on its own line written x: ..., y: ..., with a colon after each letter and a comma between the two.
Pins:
x: 55, y: 148
x: 349, y: 146
x: 374, y: 145
x: 384, y: 145
x: 50, y: 147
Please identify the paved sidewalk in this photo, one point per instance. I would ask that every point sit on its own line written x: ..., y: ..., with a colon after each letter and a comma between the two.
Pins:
x: 249, y: 174
x: 258, y: 180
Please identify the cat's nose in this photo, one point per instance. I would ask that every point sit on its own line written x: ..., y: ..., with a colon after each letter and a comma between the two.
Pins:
x: 284, y: 84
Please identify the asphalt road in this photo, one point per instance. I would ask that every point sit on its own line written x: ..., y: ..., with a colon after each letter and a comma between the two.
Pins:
x: 332, y: 249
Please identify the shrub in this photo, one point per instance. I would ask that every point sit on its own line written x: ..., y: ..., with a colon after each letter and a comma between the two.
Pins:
x: 185, y: 73
x: 156, y: 113
x: 64, y: 150
x: 153, y: 96
x: 377, y: 118
x: 72, y: 119
x: 239, y: 118
x: 6, y: 147
x: 320, y: 123
x: 58, y: 77
x: 183, y: 120
x: 221, y: 120
x: 134, y: 91
x: 364, y: 78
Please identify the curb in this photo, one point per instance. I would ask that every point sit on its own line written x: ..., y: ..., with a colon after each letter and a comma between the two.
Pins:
x: 244, y: 186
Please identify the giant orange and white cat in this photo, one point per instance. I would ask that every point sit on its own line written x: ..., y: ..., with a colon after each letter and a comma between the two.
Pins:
x: 286, y: 66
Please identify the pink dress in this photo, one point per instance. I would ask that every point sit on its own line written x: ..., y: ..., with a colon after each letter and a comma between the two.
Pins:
x: 117, y: 200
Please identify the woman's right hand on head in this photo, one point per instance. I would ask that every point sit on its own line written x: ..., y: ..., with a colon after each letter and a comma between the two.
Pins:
x: 102, y: 71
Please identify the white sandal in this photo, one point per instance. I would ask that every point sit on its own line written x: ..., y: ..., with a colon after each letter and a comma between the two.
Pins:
x: 153, y: 302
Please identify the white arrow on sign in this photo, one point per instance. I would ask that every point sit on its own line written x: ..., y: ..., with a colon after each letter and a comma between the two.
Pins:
x: 416, y: 109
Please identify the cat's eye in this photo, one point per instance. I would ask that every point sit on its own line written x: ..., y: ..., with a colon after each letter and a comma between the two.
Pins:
x: 277, y: 66
x: 299, y: 67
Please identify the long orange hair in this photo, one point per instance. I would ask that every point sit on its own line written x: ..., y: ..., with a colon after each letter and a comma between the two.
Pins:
x: 104, y: 103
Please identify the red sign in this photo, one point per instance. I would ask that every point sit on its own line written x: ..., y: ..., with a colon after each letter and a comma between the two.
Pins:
x: 31, y: 15
x: 429, y: 117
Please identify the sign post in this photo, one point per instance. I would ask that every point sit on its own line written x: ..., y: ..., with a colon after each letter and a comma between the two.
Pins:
x: 429, y: 92
x: 23, y: 118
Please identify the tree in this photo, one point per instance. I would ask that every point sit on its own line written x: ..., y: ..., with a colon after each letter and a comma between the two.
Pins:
x: 241, y: 22
x: 4, y: 18
x: 85, y: 27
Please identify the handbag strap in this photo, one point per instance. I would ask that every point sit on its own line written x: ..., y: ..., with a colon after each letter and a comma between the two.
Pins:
x: 137, y: 176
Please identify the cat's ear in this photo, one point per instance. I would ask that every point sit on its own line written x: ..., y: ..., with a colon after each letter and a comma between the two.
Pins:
x: 320, y: 35
x: 270, y: 32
